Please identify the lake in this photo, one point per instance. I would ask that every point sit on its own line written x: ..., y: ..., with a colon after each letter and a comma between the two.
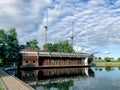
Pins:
x: 94, y: 78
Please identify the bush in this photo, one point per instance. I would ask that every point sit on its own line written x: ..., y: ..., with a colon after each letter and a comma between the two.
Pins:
x: 118, y: 59
x: 107, y: 59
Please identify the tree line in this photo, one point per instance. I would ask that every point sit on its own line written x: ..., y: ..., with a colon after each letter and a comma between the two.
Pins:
x: 10, y: 47
x: 63, y: 46
x: 106, y: 59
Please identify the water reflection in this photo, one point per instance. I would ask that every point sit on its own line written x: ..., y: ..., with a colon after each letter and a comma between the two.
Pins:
x: 55, y: 78
x: 106, y: 78
x: 107, y: 68
x: 118, y: 68
x: 98, y: 68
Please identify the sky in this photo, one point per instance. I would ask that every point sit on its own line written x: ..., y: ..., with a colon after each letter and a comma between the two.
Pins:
x: 95, y: 23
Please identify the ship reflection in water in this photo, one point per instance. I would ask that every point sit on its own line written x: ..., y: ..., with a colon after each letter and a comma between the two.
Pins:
x: 58, y: 79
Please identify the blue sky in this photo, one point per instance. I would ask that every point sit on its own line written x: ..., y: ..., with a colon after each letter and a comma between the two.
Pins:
x: 96, y: 23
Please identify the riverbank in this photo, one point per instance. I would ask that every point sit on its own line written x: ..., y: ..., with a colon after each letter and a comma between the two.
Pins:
x: 106, y: 63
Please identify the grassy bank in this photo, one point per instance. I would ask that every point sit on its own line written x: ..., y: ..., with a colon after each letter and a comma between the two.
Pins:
x: 106, y: 63
x: 1, y: 88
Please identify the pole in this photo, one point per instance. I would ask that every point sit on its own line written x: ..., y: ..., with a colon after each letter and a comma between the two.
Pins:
x: 45, y: 34
x: 72, y: 37
x: 46, y: 28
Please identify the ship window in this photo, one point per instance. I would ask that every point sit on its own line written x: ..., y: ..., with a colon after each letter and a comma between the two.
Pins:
x: 27, y: 61
x: 63, y: 62
x: 52, y: 61
x: 55, y: 62
x: 34, y: 61
x: 26, y: 75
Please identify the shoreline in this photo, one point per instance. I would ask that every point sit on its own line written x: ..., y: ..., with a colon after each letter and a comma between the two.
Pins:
x: 54, y: 66
x: 105, y: 63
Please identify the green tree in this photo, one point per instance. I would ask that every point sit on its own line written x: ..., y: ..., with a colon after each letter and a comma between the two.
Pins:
x: 12, y: 47
x: 55, y: 47
x: 63, y: 46
x: 66, y: 46
x: 9, y: 48
x: 100, y: 58
x: 107, y: 59
x: 22, y: 47
x: 33, y: 44
x: 48, y: 47
x: 118, y: 59
x: 2, y: 44
x: 95, y: 58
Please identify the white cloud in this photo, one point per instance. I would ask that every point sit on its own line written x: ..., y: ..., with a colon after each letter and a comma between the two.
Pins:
x: 96, y: 23
x: 117, y: 3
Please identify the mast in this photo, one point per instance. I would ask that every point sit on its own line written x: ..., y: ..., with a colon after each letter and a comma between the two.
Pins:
x: 72, y: 36
x: 46, y: 27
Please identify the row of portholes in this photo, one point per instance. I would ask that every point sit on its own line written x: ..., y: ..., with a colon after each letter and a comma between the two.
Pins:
x: 29, y: 75
x: 28, y: 62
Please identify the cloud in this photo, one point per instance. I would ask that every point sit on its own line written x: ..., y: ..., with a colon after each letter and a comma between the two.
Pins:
x: 96, y: 23
x: 23, y: 15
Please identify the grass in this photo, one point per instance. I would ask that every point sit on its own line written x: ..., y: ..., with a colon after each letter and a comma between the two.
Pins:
x: 106, y: 63
x: 1, y: 88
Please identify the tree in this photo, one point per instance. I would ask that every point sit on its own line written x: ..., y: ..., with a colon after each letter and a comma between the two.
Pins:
x: 9, y: 48
x: 63, y: 46
x: 48, y: 47
x: 95, y: 58
x: 118, y: 59
x: 33, y: 44
x: 2, y: 45
x: 66, y: 46
x: 107, y: 59
x: 100, y: 58
x: 22, y: 47
x: 12, y: 47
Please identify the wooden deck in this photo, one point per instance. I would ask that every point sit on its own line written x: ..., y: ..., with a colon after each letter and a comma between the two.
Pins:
x: 55, y: 54
x: 12, y: 83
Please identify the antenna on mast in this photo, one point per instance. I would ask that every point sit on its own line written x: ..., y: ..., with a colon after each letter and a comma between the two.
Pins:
x: 46, y: 27
x: 72, y: 37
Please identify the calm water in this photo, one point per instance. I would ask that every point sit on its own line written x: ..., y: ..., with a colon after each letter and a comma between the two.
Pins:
x: 94, y: 78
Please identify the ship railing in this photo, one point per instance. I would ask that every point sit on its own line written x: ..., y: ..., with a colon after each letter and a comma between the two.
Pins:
x: 68, y: 54
x: 28, y: 53
x: 54, y: 54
